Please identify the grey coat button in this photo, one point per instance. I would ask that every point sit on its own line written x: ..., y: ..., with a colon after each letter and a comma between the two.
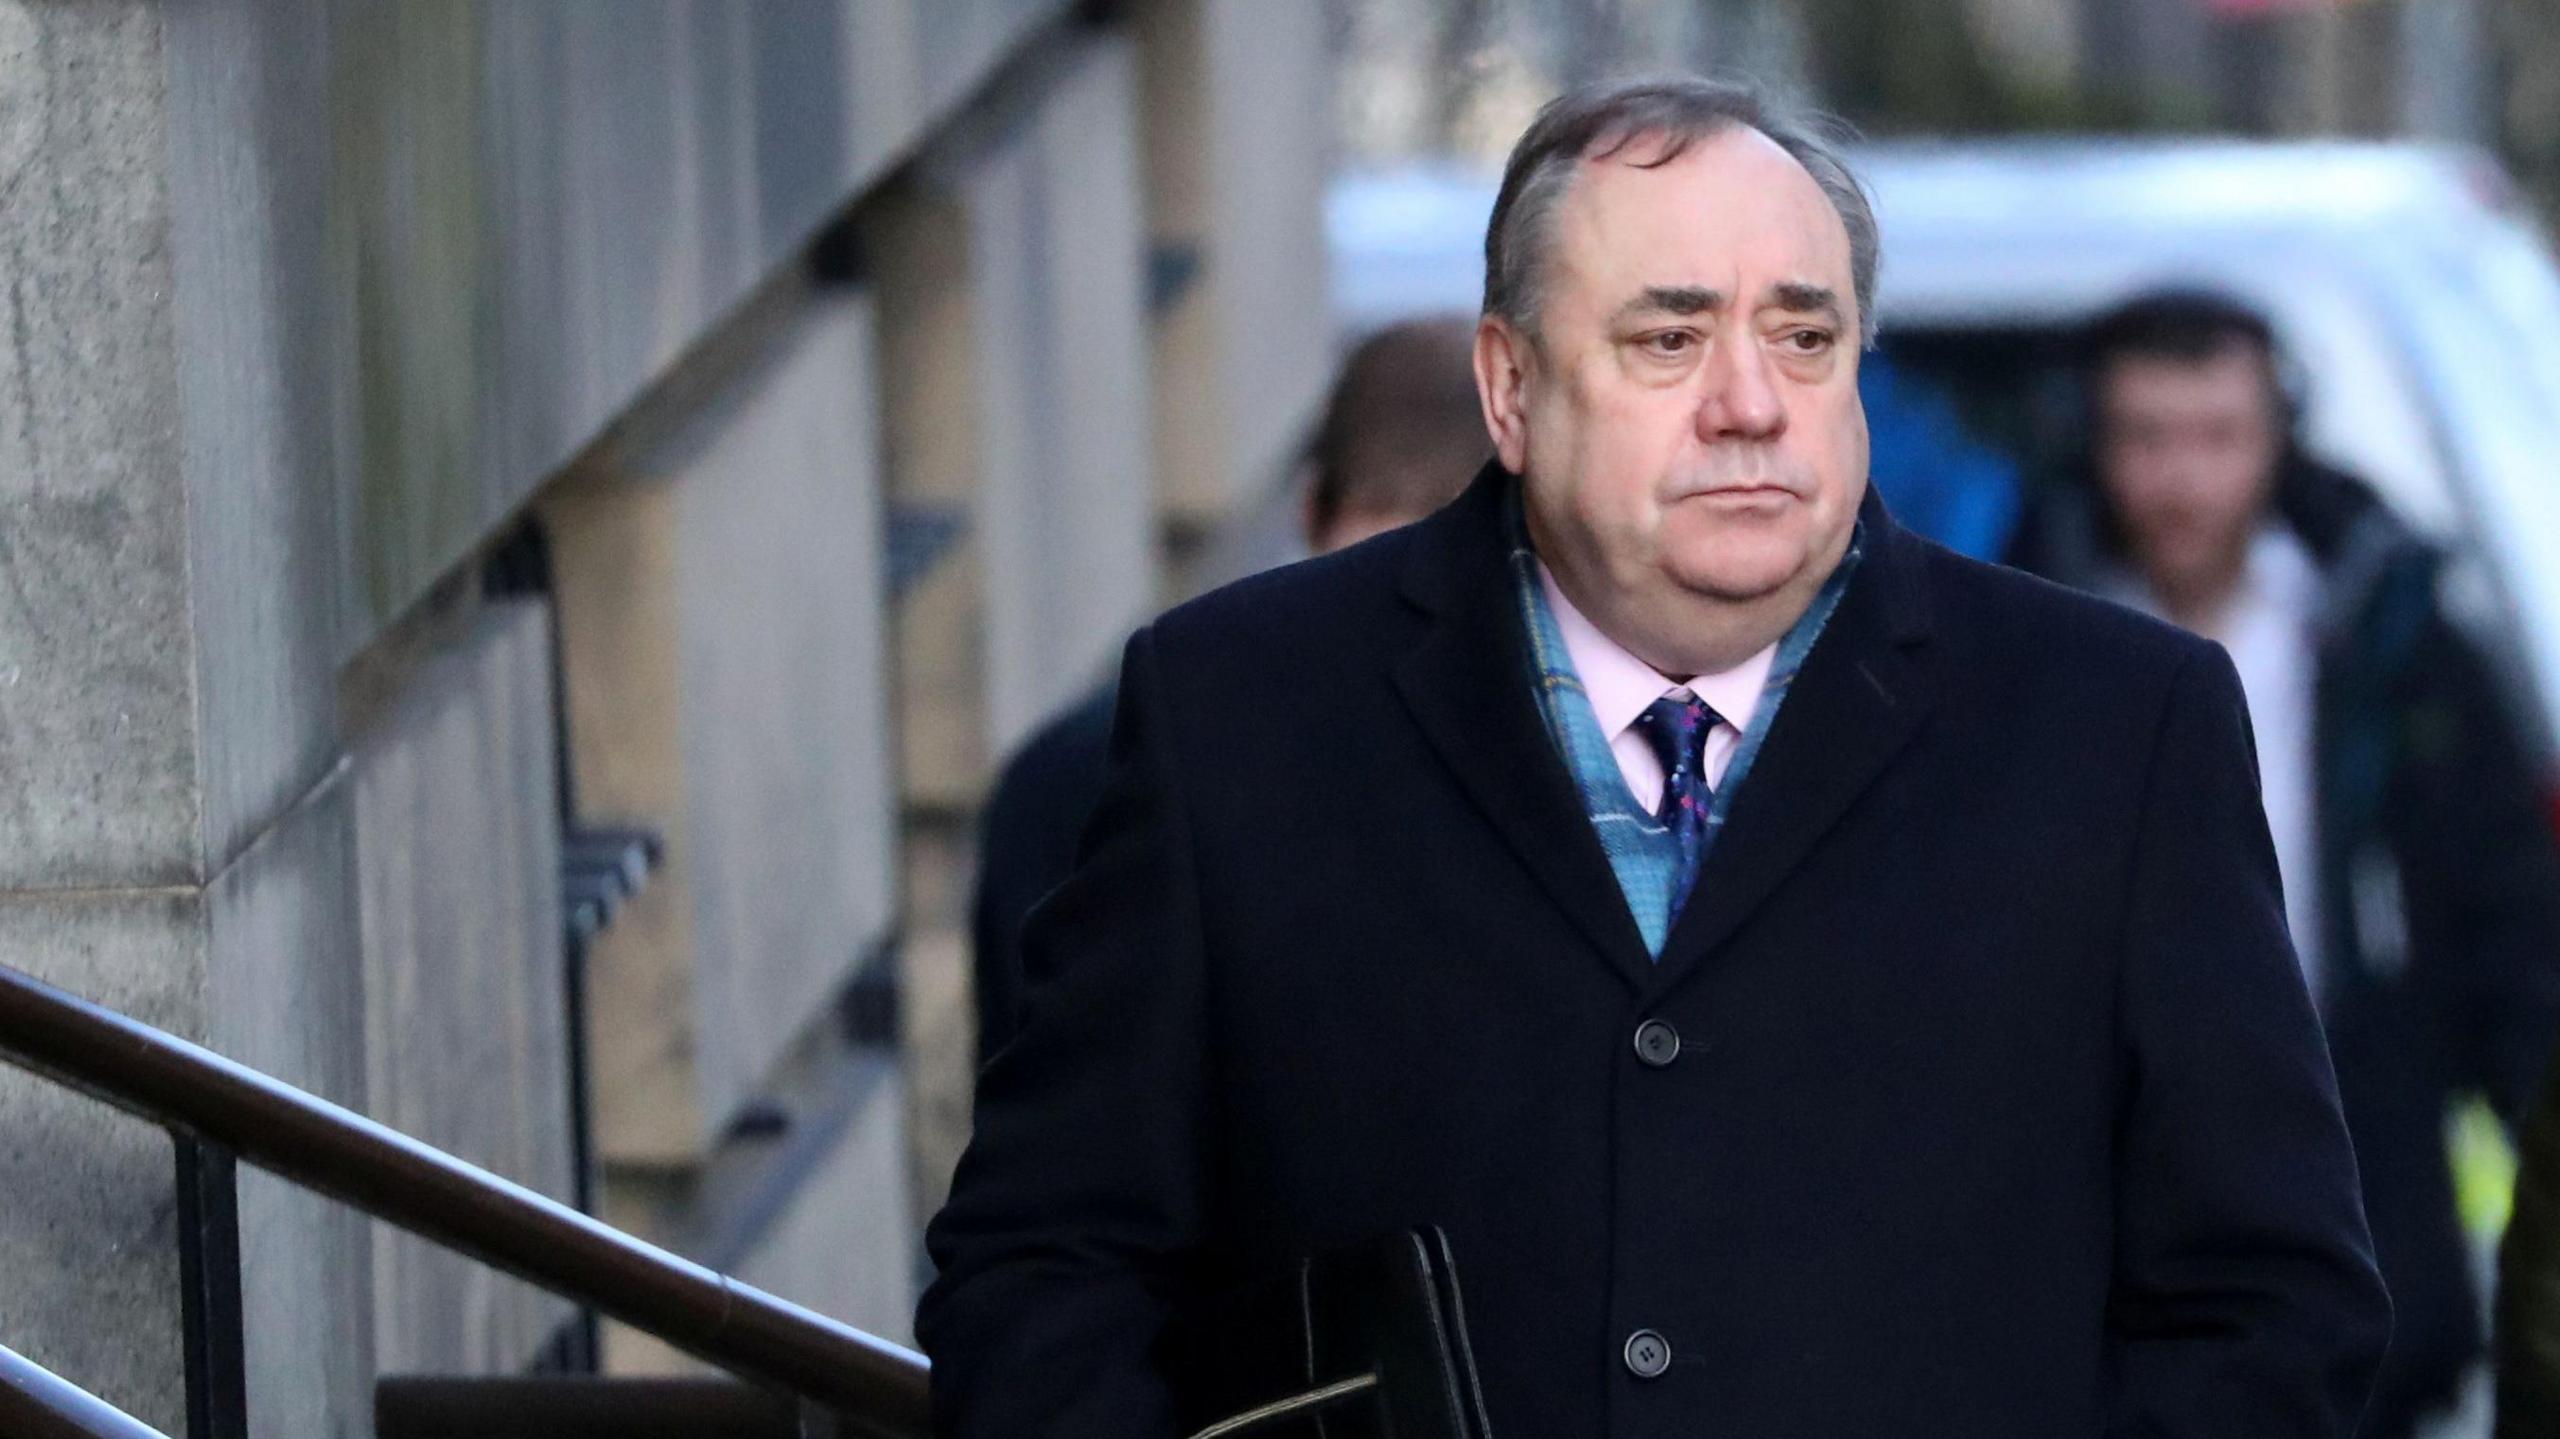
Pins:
x: 1657, y: 1043
x: 1648, y: 1354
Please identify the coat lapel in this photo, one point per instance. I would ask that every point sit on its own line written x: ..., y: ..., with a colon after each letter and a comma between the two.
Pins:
x: 1862, y: 694
x: 1467, y: 684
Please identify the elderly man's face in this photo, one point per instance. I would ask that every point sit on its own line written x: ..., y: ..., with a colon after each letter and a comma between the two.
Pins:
x: 1687, y: 416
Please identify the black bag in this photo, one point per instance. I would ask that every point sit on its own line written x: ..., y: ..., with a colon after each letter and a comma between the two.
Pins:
x: 1368, y: 1342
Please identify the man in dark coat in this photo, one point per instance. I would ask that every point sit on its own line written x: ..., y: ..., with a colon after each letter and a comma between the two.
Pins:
x: 1400, y: 437
x: 1887, y: 1027
x: 2421, y: 874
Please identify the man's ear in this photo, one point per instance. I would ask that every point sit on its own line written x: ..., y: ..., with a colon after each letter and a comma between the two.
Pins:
x: 1502, y: 360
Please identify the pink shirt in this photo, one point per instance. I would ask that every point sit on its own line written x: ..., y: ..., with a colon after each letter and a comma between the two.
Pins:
x: 1621, y: 686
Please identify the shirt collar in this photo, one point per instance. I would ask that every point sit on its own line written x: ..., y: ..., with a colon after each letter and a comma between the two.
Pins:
x: 1620, y: 686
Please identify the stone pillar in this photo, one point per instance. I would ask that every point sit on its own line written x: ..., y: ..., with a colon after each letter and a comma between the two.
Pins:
x: 1244, y: 345
x: 722, y: 610
x: 305, y: 301
x: 721, y: 607
x: 175, y: 838
x: 466, y: 1035
x: 1012, y: 273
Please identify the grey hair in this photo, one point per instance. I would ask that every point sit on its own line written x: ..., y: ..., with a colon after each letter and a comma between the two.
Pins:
x: 1596, y: 122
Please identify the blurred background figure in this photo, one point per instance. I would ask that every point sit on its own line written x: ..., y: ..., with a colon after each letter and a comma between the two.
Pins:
x: 1400, y: 436
x: 2422, y: 883
x: 2528, y: 1298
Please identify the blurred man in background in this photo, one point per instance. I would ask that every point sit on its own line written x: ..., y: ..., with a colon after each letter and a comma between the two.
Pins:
x: 2421, y: 882
x: 1401, y: 436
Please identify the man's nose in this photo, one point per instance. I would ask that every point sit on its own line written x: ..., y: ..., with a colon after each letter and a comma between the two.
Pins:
x: 1741, y: 401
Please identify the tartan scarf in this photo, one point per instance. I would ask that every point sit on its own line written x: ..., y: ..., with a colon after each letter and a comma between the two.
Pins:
x: 1643, y: 853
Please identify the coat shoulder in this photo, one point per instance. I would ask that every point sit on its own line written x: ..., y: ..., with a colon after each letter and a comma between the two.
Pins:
x: 2029, y: 629
x: 1297, y: 620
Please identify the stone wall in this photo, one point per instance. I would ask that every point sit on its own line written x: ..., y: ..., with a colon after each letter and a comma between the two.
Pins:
x: 317, y: 312
x: 1244, y: 350
x: 722, y: 606
x: 466, y: 1035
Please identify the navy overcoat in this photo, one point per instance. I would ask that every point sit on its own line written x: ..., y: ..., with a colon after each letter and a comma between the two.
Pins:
x: 1996, y: 1108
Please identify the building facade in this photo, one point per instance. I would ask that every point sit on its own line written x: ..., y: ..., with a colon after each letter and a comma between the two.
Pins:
x: 456, y: 454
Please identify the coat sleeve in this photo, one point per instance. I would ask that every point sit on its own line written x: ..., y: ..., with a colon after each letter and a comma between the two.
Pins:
x: 1080, y: 1198
x: 2245, y: 1302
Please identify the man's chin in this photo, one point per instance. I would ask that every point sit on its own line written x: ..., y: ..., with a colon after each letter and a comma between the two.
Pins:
x: 1737, y: 569
x: 1737, y: 584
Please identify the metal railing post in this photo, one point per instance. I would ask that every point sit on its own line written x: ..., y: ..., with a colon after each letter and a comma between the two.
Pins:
x: 209, y: 1289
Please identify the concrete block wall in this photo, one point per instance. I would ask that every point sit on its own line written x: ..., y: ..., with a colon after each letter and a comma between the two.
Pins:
x: 284, y: 781
x: 811, y: 1203
x: 1083, y: 428
x: 268, y: 385
x: 176, y: 836
x: 1012, y: 271
x: 1057, y: 231
x: 538, y: 208
x: 788, y: 779
x: 465, y: 1029
x: 284, y: 990
x: 1011, y: 263
x: 842, y: 1240
x: 97, y: 660
x: 723, y: 606
x: 257, y: 962
x: 932, y: 323
x: 88, y: 1243
x: 99, y: 826
x: 1244, y: 353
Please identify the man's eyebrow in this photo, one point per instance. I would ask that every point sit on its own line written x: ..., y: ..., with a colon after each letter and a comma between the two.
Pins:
x: 1673, y: 300
x: 1803, y: 297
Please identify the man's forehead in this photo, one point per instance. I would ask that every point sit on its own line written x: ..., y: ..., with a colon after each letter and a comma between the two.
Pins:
x: 1758, y: 171
x: 1735, y: 189
x: 1808, y: 296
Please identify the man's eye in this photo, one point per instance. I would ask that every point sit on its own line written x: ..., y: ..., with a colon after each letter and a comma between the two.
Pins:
x: 1669, y: 343
x: 1807, y: 342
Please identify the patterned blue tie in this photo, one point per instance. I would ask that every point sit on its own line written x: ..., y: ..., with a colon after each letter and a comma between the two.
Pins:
x: 1677, y: 726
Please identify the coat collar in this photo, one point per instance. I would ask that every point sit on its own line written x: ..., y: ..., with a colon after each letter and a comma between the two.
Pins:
x: 1858, y: 699
x: 1468, y: 686
x: 1861, y: 696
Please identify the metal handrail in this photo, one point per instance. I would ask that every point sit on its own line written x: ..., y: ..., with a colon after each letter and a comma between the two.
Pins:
x: 38, y: 1404
x: 876, y: 1388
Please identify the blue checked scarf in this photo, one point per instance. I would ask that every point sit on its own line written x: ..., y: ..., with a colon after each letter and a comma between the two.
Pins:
x: 1642, y: 852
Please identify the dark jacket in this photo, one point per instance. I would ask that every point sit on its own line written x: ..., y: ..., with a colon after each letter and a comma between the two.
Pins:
x: 2439, y: 888
x: 2528, y: 1326
x: 1998, y: 1107
x: 1027, y: 847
